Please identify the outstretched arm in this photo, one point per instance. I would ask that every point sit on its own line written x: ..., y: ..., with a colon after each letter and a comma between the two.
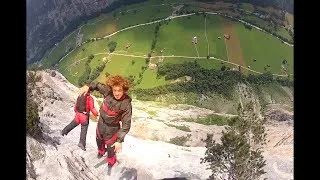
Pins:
x: 103, y: 89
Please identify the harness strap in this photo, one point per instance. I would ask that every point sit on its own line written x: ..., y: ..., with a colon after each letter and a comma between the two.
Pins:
x: 109, y: 141
x: 108, y: 111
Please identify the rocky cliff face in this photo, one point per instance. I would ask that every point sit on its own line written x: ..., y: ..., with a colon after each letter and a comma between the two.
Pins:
x: 146, y: 152
x: 50, y: 20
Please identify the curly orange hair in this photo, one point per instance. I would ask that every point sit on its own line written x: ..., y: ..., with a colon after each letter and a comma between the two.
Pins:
x: 117, y: 80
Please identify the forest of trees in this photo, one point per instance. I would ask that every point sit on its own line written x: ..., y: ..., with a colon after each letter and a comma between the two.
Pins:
x: 240, y: 153
x: 205, y: 80
x: 84, y: 78
x: 112, y: 46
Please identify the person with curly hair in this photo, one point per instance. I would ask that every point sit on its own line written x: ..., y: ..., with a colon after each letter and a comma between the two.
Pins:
x: 116, y: 108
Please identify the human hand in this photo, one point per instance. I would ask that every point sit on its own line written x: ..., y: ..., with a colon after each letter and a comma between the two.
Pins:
x: 84, y: 89
x: 117, y: 147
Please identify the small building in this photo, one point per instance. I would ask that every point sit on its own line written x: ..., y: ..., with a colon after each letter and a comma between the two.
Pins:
x: 195, y: 40
x: 127, y: 45
x: 227, y: 36
x: 188, y: 78
x: 152, y: 66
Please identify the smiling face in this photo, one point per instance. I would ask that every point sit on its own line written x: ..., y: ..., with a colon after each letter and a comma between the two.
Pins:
x: 119, y: 85
x: 117, y: 92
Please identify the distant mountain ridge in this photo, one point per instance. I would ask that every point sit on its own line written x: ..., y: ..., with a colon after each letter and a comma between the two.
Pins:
x: 49, y: 21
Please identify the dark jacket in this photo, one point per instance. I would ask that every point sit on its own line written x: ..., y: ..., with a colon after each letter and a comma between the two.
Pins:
x: 112, y: 111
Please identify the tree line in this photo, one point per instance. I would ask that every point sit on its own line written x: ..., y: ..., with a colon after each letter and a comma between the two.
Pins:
x: 90, y: 75
x: 206, y: 80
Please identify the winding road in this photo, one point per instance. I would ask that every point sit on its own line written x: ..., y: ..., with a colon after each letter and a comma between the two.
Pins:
x: 173, y: 56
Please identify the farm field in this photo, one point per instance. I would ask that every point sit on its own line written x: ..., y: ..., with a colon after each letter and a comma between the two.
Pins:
x: 193, y: 37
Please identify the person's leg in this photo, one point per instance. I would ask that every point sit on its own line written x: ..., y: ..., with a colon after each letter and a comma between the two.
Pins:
x: 99, y: 139
x: 83, y: 135
x: 101, y: 148
x: 69, y: 127
x: 111, y: 136
x: 111, y: 158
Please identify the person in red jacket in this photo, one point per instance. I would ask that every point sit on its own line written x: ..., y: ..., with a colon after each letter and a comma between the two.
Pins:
x: 116, y: 107
x: 82, y: 108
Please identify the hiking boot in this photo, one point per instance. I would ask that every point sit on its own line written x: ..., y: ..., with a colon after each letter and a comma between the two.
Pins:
x: 99, y: 156
x: 82, y: 146
x: 109, y: 169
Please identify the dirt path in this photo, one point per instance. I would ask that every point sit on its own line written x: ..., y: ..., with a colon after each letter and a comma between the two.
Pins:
x: 79, y: 38
x: 205, y: 33
x: 195, y: 46
x: 187, y: 57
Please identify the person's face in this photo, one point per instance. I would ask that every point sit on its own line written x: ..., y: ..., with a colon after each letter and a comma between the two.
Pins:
x: 117, y: 91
